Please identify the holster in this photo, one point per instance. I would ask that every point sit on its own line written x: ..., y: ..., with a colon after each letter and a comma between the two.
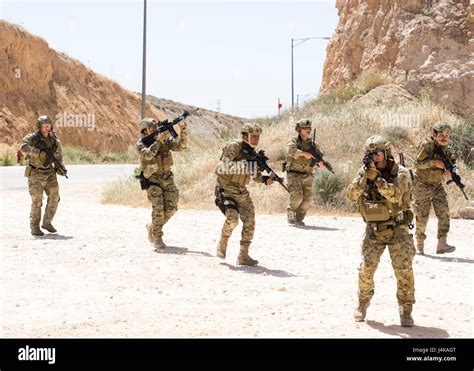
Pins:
x: 144, y: 182
x: 222, y: 202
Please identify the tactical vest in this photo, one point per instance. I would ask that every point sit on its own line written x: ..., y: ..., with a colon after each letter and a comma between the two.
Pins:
x: 372, y: 205
x: 224, y: 174
x: 160, y: 164
x: 426, y: 152
x: 39, y: 142
x: 300, y: 164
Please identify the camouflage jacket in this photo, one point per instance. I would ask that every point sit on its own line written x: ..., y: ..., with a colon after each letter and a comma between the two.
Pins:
x: 296, y: 163
x: 235, y: 168
x: 157, y: 160
x: 425, y: 169
x: 30, y: 145
x: 393, y: 188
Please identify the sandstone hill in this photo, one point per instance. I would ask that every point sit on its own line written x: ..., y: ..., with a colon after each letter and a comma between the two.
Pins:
x: 36, y: 80
x: 419, y: 43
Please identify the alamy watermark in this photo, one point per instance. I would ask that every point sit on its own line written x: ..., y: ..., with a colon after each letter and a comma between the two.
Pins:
x: 227, y: 167
x: 407, y: 121
x: 37, y: 354
x: 75, y: 120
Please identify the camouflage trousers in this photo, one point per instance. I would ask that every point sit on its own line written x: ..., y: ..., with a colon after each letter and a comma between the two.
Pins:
x: 425, y: 195
x: 246, y: 212
x: 301, y: 193
x: 402, y: 250
x: 39, y: 182
x: 164, y: 201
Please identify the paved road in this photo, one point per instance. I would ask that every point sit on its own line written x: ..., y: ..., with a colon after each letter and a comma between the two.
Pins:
x: 11, y: 177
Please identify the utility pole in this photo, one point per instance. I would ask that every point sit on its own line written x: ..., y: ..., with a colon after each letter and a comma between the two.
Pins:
x: 144, y: 62
x: 294, y: 44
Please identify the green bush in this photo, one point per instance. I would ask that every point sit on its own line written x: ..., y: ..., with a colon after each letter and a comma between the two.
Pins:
x: 462, y: 139
x: 6, y: 160
x: 327, y: 185
x: 76, y: 155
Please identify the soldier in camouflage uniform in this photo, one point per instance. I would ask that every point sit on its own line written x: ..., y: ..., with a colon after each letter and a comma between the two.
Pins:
x: 382, y: 190
x: 300, y: 172
x: 156, y: 162
x: 42, y: 174
x: 234, y: 172
x: 428, y: 188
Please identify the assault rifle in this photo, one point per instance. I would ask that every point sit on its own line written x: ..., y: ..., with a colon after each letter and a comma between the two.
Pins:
x: 166, y: 125
x: 261, y: 160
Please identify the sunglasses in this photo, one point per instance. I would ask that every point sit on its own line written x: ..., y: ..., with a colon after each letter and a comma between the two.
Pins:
x: 376, y: 153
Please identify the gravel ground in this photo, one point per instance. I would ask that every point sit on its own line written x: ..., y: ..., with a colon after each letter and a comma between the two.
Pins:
x: 99, y: 277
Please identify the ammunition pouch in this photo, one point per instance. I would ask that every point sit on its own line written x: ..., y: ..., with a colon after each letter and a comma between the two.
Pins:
x: 224, y: 203
x: 27, y: 170
x: 375, y: 211
x: 382, y: 230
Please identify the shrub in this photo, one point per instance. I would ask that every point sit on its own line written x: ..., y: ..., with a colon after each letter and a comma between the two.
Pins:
x: 395, y: 133
x: 370, y: 79
x: 326, y: 185
x: 462, y: 139
x: 6, y: 159
x: 345, y: 92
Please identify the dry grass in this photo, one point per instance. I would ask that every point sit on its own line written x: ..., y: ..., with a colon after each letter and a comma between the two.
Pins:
x: 370, y: 79
x: 341, y: 131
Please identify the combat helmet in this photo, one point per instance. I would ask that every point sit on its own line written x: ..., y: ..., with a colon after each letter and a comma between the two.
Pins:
x: 303, y: 123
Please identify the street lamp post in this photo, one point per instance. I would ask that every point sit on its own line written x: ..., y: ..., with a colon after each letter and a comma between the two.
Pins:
x: 294, y: 44
x: 144, y: 62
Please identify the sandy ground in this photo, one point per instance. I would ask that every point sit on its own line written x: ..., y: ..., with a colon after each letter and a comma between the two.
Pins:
x: 99, y: 277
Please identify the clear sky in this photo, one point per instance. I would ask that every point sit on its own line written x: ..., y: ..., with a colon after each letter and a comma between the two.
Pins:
x: 199, y: 53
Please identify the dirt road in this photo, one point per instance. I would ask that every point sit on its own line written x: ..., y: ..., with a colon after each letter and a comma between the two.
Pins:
x: 99, y: 277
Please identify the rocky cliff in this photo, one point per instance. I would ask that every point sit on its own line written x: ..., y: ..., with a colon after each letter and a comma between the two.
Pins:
x: 419, y: 43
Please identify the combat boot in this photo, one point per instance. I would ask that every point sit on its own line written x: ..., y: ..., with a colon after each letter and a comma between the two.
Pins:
x: 222, y: 248
x: 36, y: 231
x: 244, y: 258
x: 406, y: 319
x: 49, y: 227
x: 299, y: 222
x: 361, y: 311
x: 158, y: 243
x: 291, y: 217
x: 420, y: 247
x: 150, y: 233
x: 443, y: 246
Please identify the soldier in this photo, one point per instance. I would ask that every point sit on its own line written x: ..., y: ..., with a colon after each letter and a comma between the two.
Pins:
x: 42, y: 174
x: 233, y: 174
x: 156, y: 162
x: 428, y: 188
x: 382, y: 190
x: 299, y: 168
